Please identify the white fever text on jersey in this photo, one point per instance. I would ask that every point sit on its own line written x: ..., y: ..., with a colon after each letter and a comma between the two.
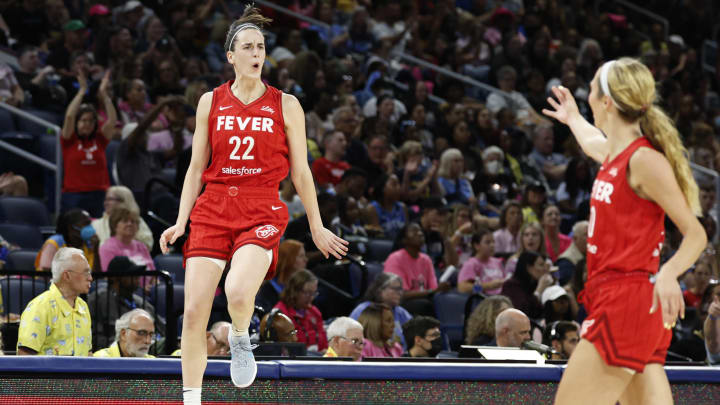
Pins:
x: 232, y: 123
x: 601, y: 191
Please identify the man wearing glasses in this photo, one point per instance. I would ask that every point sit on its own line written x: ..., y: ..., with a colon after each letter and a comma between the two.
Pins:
x: 217, y: 340
x: 345, y: 337
x: 423, y: 337
x: 134, y: 334
x: 57, y: 322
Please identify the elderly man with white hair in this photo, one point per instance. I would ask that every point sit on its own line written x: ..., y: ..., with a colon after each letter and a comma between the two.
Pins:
x: 568, y: 260
x: 57, y: 322
x: 345, y: 338
x: 134, y: 334
x: 512, y: 328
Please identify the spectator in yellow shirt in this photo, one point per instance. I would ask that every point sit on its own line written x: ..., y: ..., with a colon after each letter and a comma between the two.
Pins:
x: 134, y: 334
x: 57, y: 322
x: 345, y: 338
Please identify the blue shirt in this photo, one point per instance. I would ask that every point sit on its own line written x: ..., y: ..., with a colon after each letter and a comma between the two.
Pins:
x: 390, y: 221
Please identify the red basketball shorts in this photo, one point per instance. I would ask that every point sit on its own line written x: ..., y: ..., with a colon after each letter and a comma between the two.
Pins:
x: 225, y: 218
x: 619, y: 324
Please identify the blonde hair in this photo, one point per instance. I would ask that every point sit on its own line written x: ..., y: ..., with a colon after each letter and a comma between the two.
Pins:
x: 445, y: 160
x: 633, y: 89
x: 482, y: 319
x: 408, y: 148
x: 128, y: 199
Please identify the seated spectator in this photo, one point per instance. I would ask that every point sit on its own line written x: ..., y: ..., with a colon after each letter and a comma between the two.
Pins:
x: 57, y: 322
x: 506, y: 79
x: 424, y: 337
x: 277, y: 327
x: 533, y: 202
x: 124, y: 226
x: 553, y: 165
x: 329, y: 169
x: 495, y: 180
x: 73, y: 230
x: 350, y: 227
x: 378, y: 325
x: 527, y: 284
x: 455, y: 188
x: 291, y: 259
x: 290, y: 197
x: 353, y: 183
x: 461, y: 227
x: 385, y: 209
x: 296, y: 302
x: 558, y: 305
x: 575, y: 190
x: 418, y: 176
x: 481, y: 323
x: 702, y: 274
x: 345, y: 337
x: 569, y: 259
x: 415, y: 269
x: 14, y: 185
x: 289, y: 43
x: 135, y: 104
x: 506, y: 238
x: 483, y: 272
x: 107, y: 303
x: 41, y: 84
x: 10, y: 90
x: 563, y: 337
x: 134, y: 334
x: 711, y: 328
x: 438, y: 243
x: 217, y: 340
x: 555, y: 242
x: 512, y: 328
x: 83, y: 146
x: 299, y: 228
x: 530, y: 239
x: 386, y: 289
x: 121, y: 196
x: 378, y: 160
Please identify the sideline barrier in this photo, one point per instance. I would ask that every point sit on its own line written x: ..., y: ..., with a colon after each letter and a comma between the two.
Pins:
x: 67, y: 380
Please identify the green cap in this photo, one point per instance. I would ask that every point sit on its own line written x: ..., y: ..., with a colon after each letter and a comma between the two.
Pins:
x: 74, y: 25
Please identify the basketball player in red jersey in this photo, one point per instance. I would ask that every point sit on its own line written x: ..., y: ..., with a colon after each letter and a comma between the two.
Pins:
x: 254, y: 133
x: 644, y: 174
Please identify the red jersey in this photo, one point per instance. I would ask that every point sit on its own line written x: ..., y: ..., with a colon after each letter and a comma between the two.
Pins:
x: 626, y: 231
x: 248, y: 142
x: 84, y: 163
x: 327, y: 172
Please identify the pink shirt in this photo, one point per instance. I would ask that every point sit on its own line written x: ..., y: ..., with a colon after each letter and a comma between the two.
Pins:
x: 370, y: 350
x: 486, y: 271
x: 505, y: 242
x: 565, y: 242
x: 416, y: 274
x: 135, y: 251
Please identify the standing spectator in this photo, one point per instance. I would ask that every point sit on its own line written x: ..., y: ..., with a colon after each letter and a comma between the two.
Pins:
x: 83, y: 144
x: 291, y: 259
x: 124, y: 225
x: 506, y: 238
x: 57, y: 322
x: 423, y: 333
x: 134, y: 334
x: 345, y: 337
x: 527, y: 284
x: 121, y: 196
x: 512, y: 328
x: 415, y: 269
x: 329, y: 169
x: 482, y: 272
x: 481, y: 323
x: 378, y: 325
x: 73, y: 229
x: 108, y: 303
x: 296, y: 302
x: 386, y: 289
x: 555, y: 242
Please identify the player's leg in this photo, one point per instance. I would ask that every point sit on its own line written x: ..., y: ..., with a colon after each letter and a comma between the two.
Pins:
x: 587, y: 376
x: 248, y: 267
x: 202, y: 276
x: 651, y: 387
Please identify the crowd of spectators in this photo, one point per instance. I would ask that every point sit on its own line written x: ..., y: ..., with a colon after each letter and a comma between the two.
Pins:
x: 479, y: 192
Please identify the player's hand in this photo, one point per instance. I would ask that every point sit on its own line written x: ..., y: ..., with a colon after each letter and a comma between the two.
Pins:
x: 170, y: 236
x: 668, y: 297
x: 564, y: 108
x: 329, y: 244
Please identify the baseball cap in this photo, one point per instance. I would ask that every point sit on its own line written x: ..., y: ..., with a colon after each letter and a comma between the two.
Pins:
x: 677, y: 40
x: 74, y: 25
x: 434, y: 203
x: 123, y: 264
x: 131, y: 5
x: 552, y: 293
x: 98, y: 9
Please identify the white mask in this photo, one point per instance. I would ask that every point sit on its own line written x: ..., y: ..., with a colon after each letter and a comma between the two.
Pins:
x: 492, y: 167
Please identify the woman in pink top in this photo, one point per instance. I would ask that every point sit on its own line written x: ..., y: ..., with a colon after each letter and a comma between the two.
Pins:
x: 378, y: 328
x: 555, y: 242
x: 124, y: 225
x: 482, y: 272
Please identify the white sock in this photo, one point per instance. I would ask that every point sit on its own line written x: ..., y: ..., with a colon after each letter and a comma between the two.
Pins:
x: 191, y: 396
x: 239, y: 332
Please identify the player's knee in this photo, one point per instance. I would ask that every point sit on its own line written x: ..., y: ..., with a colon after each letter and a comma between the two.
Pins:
x: 195, y: 318
x: 240, y: 297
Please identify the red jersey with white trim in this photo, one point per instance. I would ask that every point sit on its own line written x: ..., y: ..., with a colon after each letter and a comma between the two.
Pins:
x: 626, y: 231
x: 248, y: 142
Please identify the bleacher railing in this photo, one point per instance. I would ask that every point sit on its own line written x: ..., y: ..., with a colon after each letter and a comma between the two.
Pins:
x: 56, y: 167
x: 13, y: 284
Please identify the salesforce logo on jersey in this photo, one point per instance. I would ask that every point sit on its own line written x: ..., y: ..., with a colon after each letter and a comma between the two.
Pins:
x: 242, y: 171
